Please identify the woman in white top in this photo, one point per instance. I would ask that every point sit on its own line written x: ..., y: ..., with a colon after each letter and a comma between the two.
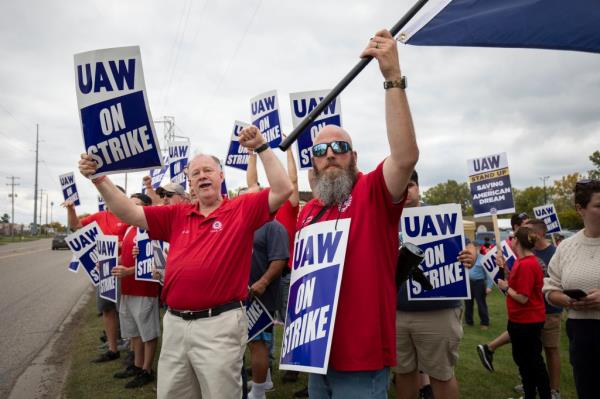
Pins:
x: 574, y: 283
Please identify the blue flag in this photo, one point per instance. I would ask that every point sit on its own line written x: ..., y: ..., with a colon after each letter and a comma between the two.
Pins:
x: 543, y: 24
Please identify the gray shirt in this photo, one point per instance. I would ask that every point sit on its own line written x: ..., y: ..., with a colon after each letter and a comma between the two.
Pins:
x: 270, y: 243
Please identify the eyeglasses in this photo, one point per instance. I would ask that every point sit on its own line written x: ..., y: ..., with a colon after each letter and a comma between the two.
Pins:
x: 167, y: 194
x: 338, y: 147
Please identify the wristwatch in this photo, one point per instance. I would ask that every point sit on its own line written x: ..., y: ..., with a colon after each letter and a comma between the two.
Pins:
x: 400, y: 83
x: 261, y: 148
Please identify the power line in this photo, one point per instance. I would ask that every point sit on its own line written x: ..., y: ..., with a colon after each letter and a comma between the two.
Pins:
x: 176, y: 46
x: 35, y: 190
x: 229, y: 62
x: 12, y: 196
x: 12, y: 116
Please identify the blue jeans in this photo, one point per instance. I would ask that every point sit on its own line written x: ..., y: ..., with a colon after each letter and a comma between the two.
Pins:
x: 349, y: 384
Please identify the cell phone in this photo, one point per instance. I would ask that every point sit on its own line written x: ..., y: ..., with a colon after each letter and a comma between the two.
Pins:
x: 575, y: 294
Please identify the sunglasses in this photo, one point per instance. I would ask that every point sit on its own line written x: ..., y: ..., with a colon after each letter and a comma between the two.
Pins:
x: 523, y: 216
x: 167, y: 194
x: 338, y: 147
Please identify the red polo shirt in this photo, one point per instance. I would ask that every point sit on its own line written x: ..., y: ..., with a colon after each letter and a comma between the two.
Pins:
x: 287, y: 215
x: 129, y: 285
x: 527, y: 278
x: 108, y: 222
x: 209, y: 257
x: 364, y: 337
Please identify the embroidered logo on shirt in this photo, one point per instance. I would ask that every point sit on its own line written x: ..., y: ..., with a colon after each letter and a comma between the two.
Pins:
x: 346, y: 204
x: 217, y: 226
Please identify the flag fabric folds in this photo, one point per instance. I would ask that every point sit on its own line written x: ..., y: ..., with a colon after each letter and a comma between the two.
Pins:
x: 544, y: 24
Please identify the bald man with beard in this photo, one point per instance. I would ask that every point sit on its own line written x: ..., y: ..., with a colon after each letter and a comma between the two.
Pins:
x: 363, y: 345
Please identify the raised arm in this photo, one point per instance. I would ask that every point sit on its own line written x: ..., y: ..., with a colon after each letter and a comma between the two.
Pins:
x: 281, y: 187
x: 293, y: 175
x: 117, y: 202
x: 147, y: 181
x: 252, y: 172
x: 73, y: 221
x: 404, y: 152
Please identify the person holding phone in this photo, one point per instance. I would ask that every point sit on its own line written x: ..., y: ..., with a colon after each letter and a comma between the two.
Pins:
x: 527, y: 314
x: 574, y: 283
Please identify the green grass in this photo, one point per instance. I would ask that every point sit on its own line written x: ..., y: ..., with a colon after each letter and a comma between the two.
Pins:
x: 9, y: 239
x: 95, y: 380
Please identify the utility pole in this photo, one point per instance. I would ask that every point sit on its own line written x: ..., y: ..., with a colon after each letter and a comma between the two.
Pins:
x: 543, y: 179
x: 35, y: 188
x: 12, y: 196
x: 51, y: 212
x: 41, y: 201
x: 46, y: 209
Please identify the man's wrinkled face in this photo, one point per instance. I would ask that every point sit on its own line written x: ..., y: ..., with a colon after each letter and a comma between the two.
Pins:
x: 205, y: 178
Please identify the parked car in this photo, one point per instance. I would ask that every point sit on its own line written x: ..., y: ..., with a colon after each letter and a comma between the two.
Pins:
x: 481, y: 235
x: 59, y: 241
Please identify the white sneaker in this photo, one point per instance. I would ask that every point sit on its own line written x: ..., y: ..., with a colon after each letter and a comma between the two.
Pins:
x: 554, y: 394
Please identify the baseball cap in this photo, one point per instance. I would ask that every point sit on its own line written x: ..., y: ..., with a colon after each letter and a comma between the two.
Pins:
x: 171, y: 188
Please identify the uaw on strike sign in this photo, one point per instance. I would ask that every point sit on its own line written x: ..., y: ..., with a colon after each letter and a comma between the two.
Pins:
x: 113, y: 107
x: 318, y: 264
x: 438, y: 231
x: 302, y: 104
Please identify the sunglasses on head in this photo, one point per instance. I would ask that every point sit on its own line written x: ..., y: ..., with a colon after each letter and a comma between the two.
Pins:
x: 523, y: 216
x: 167, y: 194
x: 338, y: 147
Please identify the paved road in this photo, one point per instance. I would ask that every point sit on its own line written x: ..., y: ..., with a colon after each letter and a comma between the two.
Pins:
x: 36, y: 294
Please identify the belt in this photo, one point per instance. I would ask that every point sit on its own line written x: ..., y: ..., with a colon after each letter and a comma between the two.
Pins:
x: 201, y: 314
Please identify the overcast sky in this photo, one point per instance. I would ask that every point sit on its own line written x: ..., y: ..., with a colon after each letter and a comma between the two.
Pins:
x: 204, y: 60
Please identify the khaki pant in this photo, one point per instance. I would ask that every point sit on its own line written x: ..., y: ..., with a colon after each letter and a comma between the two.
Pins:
x: 202, y: 358
x: 428, y: 341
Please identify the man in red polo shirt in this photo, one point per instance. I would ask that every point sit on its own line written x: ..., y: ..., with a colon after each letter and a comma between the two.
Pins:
x: 363, y: 345
x: 205, y: 330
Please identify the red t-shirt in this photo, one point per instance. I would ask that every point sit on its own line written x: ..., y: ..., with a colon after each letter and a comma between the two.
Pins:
x: 209, y: 257
x: 108, y: 222
x: 129, y: 285
x: 527, y: 278
x: 287, y: 215
x: 364, y: 337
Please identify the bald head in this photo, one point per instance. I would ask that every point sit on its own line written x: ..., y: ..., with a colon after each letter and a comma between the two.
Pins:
x: 207, y: 157
x: 331, y: 133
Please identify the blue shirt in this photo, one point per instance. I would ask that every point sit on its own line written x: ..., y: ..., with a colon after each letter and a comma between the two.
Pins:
x: 477, y: 272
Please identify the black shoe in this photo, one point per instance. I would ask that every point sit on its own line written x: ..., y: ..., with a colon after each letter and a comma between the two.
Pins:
x: 426, y: 392
x: 486, y: 356
x: 130, y: 371
x: 289, y: 376
x: 303, y: 393
x: 106, y: 357
x: 145, y: 377
x: 128, y: 359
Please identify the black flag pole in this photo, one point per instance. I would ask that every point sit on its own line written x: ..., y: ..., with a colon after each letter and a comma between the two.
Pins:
x: 310, y: 118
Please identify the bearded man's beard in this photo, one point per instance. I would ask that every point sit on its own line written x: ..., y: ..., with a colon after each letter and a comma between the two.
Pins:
x: 334, y: 186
